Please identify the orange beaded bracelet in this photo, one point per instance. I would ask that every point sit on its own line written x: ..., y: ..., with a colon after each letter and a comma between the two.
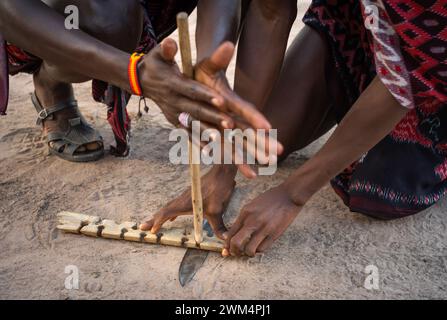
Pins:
x: 134, y: 79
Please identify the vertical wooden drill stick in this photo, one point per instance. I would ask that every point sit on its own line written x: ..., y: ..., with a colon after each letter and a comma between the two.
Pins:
x: 188, y: 70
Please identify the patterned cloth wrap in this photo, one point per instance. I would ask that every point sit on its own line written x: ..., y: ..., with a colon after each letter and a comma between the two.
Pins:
x: 159, y: 22
x: 405, y: 44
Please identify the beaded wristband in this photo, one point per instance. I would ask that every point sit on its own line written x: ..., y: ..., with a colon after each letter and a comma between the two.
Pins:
x: 134, y: 79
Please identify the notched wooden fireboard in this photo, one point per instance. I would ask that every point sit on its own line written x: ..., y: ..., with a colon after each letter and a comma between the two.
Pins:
x: 103, y: 228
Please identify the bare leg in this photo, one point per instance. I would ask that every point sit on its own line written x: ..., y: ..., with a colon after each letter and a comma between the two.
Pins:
x: 115, y: 22
x: 300, y: 105
x: 263, y: 42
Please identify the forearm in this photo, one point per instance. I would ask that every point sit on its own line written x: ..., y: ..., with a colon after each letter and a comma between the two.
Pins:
x: 262, y: 48
x: 217, y: 22
x: 22, y: 20
x: 372, y: 117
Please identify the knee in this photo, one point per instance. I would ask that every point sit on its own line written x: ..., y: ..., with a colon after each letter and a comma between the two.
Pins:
x: 284, y: 10
x: 115, y: 22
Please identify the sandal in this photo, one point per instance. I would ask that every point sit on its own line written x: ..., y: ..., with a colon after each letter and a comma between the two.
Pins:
x: 78, y: 133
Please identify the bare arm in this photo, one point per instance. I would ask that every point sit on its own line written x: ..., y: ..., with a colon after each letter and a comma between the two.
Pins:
x: 262, y: 47
x: 217, y: 22
x: 372, y: 117
x: 265, y: 219
x: 262, y: 44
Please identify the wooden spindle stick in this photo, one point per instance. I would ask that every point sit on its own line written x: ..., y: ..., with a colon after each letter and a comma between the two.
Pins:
x: 188, y: 71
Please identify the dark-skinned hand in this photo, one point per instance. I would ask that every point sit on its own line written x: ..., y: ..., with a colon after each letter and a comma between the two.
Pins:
x: 209, y: 99
x: 211, y: 72
x: 163, y: 82
x: 216, y: 195
x: 260, y: 223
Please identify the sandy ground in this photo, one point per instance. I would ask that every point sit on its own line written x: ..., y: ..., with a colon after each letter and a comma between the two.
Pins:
x: 322, y: 255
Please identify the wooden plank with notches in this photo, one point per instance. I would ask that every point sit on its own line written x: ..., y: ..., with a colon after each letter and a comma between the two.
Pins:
x: 93, y: 226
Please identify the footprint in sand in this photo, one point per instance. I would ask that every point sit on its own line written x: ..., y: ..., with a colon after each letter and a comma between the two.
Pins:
x: 52, y: 237
x: 30, y: 232
x: 91, y: 287
x: 27, y: 143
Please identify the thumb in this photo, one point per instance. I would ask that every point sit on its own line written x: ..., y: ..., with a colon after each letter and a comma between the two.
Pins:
x: 168, y: 49
x: 218, y: 226
x: 220, y: 59
x: 154, y: 225
x: 178, y: 207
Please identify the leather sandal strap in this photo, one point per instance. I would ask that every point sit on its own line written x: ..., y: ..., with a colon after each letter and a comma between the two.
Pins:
x: 47, y: 113
x: 78, y: 134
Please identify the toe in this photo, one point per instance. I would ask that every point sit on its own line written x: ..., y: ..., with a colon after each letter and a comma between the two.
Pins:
x: 93, y: 146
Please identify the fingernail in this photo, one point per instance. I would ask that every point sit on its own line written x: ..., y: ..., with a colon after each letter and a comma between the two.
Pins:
x: 225, y: 124
x: 216, y: 102
x: 225, y: 253
x: 225, y: 235
x: 153, y: 231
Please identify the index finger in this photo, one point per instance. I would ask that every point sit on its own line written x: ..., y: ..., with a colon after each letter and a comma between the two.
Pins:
x: 265, y: 147
x: 237, y: 225
x: 198, y: 92
x: 204, y: 113
x: 246, y: 110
